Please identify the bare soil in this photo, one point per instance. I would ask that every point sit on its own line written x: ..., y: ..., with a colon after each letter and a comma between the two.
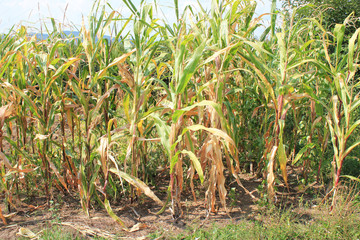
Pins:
x: 67, y: 212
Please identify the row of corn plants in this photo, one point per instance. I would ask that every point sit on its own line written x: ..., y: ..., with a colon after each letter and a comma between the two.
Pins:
x: 96, y: 118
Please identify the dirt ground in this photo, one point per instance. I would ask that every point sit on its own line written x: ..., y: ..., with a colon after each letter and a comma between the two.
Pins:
x: 70, y: 216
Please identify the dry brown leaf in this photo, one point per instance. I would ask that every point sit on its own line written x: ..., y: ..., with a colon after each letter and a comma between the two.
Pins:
x: 5, y: 112
x: 25, y: 232
x: 137, y: 227
x: 126, y: 76
x: 148, y: 139
x: 2, y: 217
x: 8, y: 215
x: 8, y: 165
x: 41, y: 137
x: 103, y: 151
x: 61, y: 179
x: 87, y: 231
x: 137, y: 183
x: 270, y: 175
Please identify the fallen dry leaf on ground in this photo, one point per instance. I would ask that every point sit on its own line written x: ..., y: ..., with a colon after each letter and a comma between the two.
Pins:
x: 25, y: 232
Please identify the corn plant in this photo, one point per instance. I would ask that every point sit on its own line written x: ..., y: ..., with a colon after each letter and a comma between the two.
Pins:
x: 83, y: 115
x: 340, y: 70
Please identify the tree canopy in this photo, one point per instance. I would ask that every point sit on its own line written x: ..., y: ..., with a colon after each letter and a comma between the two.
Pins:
x: 333, y: 11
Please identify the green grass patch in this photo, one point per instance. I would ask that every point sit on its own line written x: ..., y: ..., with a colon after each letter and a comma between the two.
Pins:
x: 277, y: 224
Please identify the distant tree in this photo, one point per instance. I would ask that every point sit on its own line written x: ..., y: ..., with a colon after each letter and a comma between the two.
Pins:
x: 334, y: 11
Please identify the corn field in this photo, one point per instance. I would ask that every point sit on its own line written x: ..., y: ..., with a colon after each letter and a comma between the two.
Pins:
x: 200, y: 100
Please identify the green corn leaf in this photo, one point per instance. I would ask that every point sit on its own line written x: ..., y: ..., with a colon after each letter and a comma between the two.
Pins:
x: 351, y: 177
x: 281, y: 152
x: 55, y: 48
x: 174, y: 159
x: 268, y: 90
x: 333, y: 139
x: 176, y: 9
x: 196, y: 164
x: 302, y: 151
x: 273, y: 18
x: 150, y: 112
x: 126, y: 105
x: 218, y: 53
x: 91, y: 184
x: 349, y: 149
x: 116, y: 61
x: 352, y: 49
x: 84, y: 102
x: 310, y: 91
x: 339, y: 32
x: 355, y: 105
x: 113, y: 215
x: 30, y: 103
x: 283, y: 57
x: 282, y: 160
x: 60, y: 71
x: 352, y: 128
x: 189, y: 69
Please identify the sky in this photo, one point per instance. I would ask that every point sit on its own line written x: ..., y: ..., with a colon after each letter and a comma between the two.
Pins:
x: 71, y: 12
